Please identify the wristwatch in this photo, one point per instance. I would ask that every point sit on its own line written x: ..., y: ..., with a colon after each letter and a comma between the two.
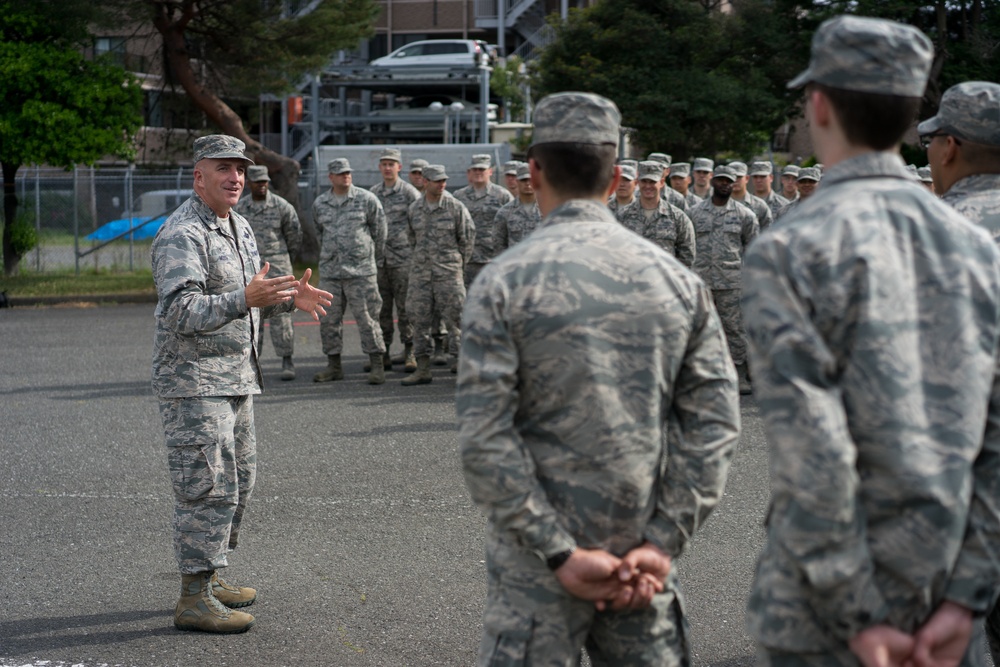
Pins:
x: 556, y: 561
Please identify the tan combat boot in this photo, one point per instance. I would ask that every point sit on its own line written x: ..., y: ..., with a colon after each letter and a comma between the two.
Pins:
x: 377, y: 374
x: 410, y: 361
x: 199, y: 609
x: 439, y: 357
x: 233, y: 597
x: 423, y: 374
x: 333, y: 370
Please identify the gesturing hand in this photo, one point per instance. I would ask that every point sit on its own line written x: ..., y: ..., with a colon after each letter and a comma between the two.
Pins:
x: 263, y: 291
x: 310, y: 299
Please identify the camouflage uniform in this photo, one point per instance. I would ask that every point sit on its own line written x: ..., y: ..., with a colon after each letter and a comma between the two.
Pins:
x: 205, y: 372
x: 482, y: 206
x: 874, y: 318
x: 623, y: 437
x: 352, y: 242
x: 722, y: 235
x: 669, y: 227
x: 775, y: 202
x: 752, y: 201
x: 977, y: 197
x: 394, y: 272
x: 514, y: 221
x: 442, y: 237
x: 279, y: 235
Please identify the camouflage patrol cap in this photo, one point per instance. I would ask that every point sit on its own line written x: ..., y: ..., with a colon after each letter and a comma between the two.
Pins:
x: 724, y: 171
x: 924, y: 174
x: 339, y: 165
x: 660, y: 157
x: 739, y: 168
x: 631, y: 163
x: 869, y: 55
x: 582, y: 118
x: 703, y: 164
x: 970, y: 111
x: 680, y: 170
x: 418, y: 165
x: 391, y: 154
x: 256, y: 173
x: 510, y: 167
x: 761, y: 169
x: 481, y: 161
x: 523, y: 172
x: 435, y: 172
x: 628, y: 172
x: 809, y: 174
x: 218, y: 147
x: 650, y: 170
x: 790, y: 169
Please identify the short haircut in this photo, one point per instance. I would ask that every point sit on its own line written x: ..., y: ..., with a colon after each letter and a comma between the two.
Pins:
x: 983, y: 158
x: 576, y: 170
x: 871, y: 119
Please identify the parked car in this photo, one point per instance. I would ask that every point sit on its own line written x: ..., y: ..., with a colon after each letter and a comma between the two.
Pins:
x: 433, y: 58
x: 431, y: 109
x: 158, y: 203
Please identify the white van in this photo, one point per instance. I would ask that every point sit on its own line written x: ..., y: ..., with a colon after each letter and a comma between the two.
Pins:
x: 433, y: 58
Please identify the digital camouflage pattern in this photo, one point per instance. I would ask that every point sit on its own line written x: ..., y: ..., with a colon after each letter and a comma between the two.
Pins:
x: 722, y: 235
x: 204, y: 343
x: 625, y: 435
x: 219, y: 147
x: 352, y: 242
x: 483, y: 206
x: 583, y: 118
x: 212, y: 458
x: 775, y: 203
x: 614, y: 206
x: 668, y: 227
x: 760, y: 209
x: 442, y: 237
x: 278, y: 234
x: 868, y: 56
x: 874, y: 319
x: 514, y: 221
x: 396, y: 203
x: 969, y: 111
x: 977, y: 197
x: 352, y: 235
x: 393, y: 284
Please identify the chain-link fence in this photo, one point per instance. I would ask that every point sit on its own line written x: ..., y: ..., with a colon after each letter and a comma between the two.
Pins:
x: 104, y: 217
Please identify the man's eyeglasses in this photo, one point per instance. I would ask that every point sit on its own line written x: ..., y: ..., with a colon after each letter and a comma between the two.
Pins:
x: 926, y: 139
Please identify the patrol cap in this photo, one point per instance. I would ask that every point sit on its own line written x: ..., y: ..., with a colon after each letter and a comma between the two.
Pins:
x: 869, y: 55
x: 523, y: 172
x: 650, y: 170
x: 257, y: 173
x: 911, y: 169
x: 702, y: 164
x: 924, y: 174
x: 724, y: 171
x: 582, y: 118
x: 435, y: 172
x: 660, y: 157
x: 970, y: 111
x: 761, y: 169
x: 391, y: 154
x: 739, y: 168
x: 790, y: 169
x: 510, y: 167
x: 339, y: 165
x: 631, y: 163
x: 809, y: 174
x: 680, y: 169
x: 418, y: 165
x: 481, y: 161
x: 628, y: 172
x: 219, y: 146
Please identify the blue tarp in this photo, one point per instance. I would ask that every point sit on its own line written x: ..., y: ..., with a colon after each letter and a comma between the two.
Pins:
x: 110, y: 230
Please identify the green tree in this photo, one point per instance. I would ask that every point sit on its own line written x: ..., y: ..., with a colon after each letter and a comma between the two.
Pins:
x: 683, y: 76
x: 58, y: 107
x: 509, y: 81
x: 228, y: 49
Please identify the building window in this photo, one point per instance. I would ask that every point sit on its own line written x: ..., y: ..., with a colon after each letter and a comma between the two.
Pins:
x: 115, y: 46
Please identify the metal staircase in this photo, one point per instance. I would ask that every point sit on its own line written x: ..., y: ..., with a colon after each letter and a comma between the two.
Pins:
x: 525, y: 17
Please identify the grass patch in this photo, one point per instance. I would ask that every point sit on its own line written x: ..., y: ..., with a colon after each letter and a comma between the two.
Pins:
x: 89, y: 282
x: 68, y: 283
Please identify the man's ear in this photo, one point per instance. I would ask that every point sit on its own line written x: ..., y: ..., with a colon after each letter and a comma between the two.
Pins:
x: 821, y: 109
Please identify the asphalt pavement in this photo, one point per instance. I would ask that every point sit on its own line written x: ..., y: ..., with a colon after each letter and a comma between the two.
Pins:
x: 360, y: 536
